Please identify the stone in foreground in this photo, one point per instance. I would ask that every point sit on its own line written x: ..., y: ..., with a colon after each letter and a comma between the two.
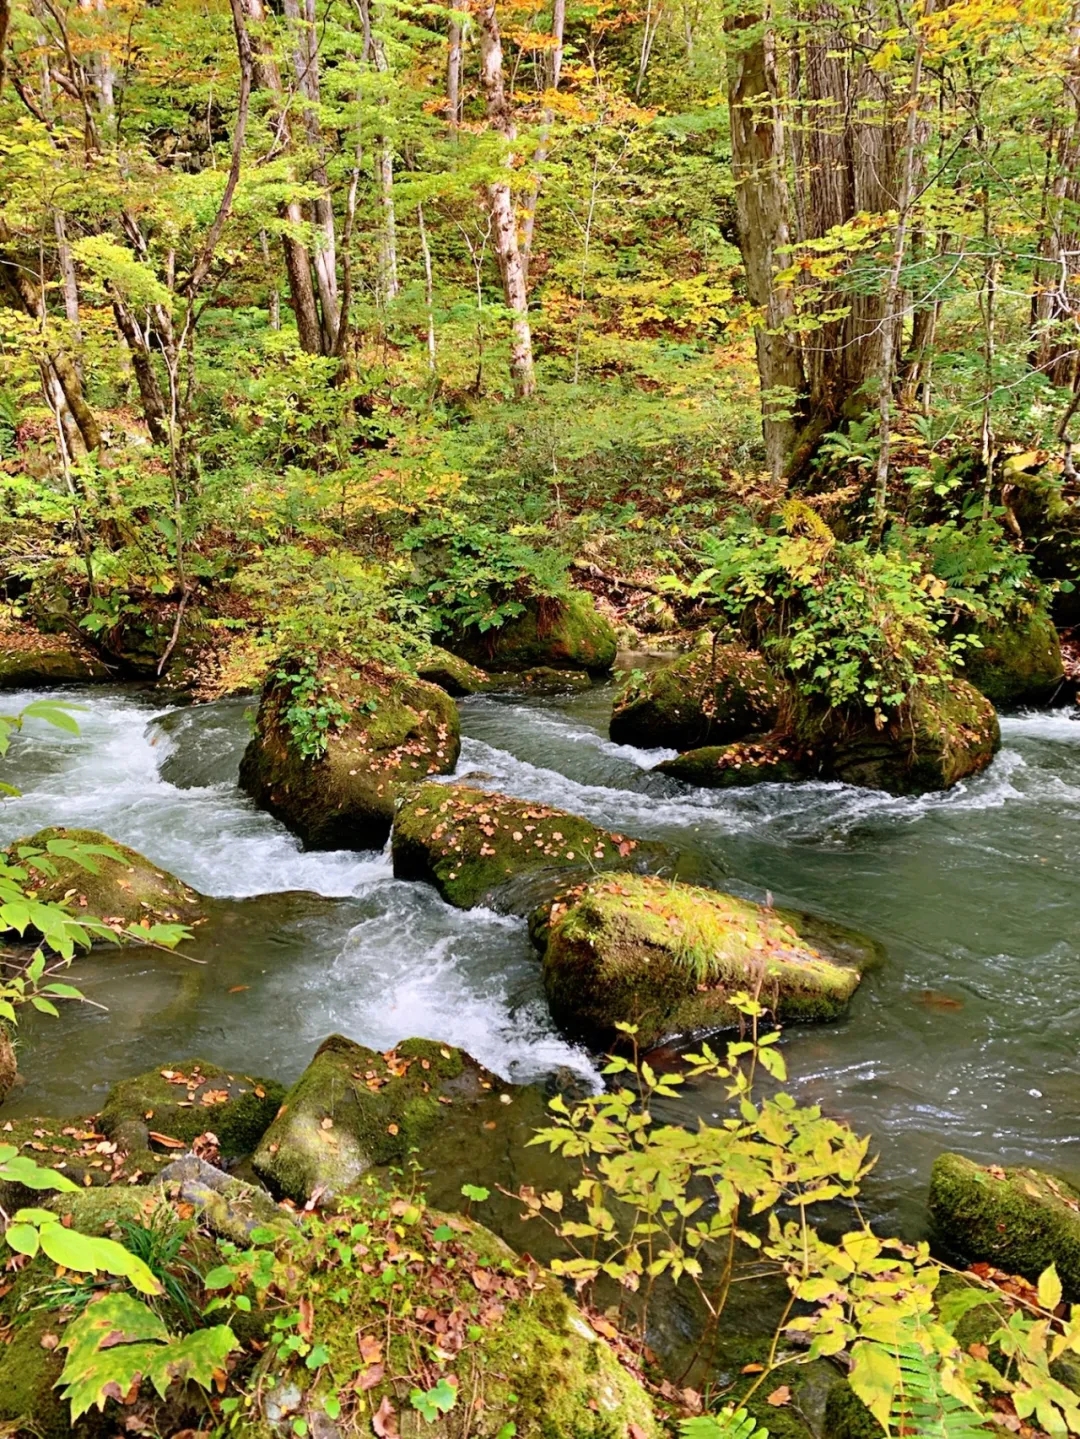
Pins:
x: 567, y: 634
x: 478, y: 847
x: 714, y: 694
x: 667, y: 957
x: 392, y: 730
x: 353, y: 1108
x: 1019, y: 1220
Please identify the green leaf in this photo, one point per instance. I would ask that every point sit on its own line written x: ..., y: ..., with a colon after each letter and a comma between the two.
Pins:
x: 875, y: 1378
x: 475, y: 1192
x: 88, y: 1254
x: 23, y: 1238
x: 21, y: 1169
x: 438, y: 1400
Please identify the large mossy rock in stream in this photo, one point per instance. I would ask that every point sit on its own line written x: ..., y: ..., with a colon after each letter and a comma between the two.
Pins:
x: 102, y: 879
x: 1020, y: 1220
x: 712, y: 695
x: 942, y: 735
x: 30, y: 659
x: 667, y: 957
x: 567, y: 634
x: 353, y: 1108
x: 392, y: 729
x: 478, y: 847
x: 1018, y: 661
x: 180, y: 1102
x: 761, y: 759
x: 451, y: 673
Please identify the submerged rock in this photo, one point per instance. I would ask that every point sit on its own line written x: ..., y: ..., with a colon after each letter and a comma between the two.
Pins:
x: 184, y: 1100
x: 1020, y: 1220
x: 543, y: 680
x: 667, y: 957
x: 101, y: 879
x: 712, y: 695
x: 761, y: 759
x: 353, y: 1108
x: 478, y: 847
x: 565, y: 634
x: 29, y: 658
x: 390, y: 730
x: 940, y: 736
x: 1019, y: 661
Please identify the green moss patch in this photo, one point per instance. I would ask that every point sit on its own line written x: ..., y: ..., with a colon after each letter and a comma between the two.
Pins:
x: 353, y: 1108
x: 472, y: 844
x: 398, y: 729
x: 712, y: 695
x: 667, y: 957
x: 126, y: 889
x: 567, y: 634
x: 1019, y: 661
x: 451, y: 673
x: 761, y: 759
x: 174, y: 1105
x: 1019, y: 1220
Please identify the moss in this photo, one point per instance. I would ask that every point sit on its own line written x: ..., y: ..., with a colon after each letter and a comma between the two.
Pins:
x: 28, y: 1372
x: 565, y: 634
x: 542, y: 680
x: 942, y: 735
x: 809, y: 1384
x: 761, y: 759
x: 1019, y: 661
x: 190, y: 1098
x: 78, y: 1148
x: 28, y: 659
x: 668, y: 956
x: 353, y: 1108
x: 124, y: 891
x: 847, y: 1417
x: 399, y: 730
x: 451, y: 673
x: 473, y: 845
x: 1019, y: 1220
x: 710, y: 696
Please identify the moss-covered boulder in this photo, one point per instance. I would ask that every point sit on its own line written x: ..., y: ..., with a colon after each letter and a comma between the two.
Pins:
x: 29, y: 659
x: 336, y: 786
x: 712, y: 695
x: 761, y: 759
x: 478, y: 847
x: 668, y: 957
x: 179, y: 1102
x: 451, y: 673
x: 1018, y: 661
x: 353, y: 1108
x: 942, y: 735
x: 78, y: 1148
x: 1020, y: 1220
x: 847, y: 1417
x: 567, y: 634
x: 102, y: 879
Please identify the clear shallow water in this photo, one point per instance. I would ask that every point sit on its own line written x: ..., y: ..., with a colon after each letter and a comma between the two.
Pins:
x: 965, y: 1037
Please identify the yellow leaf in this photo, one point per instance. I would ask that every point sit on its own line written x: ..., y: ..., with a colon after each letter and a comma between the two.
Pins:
x: 1049, y: 1288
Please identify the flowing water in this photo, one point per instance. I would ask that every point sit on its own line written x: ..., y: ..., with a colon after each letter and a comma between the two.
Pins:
x: 965, y: 1037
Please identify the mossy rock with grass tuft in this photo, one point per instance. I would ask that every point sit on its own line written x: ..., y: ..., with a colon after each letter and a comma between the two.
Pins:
x: 108, y: 881
x: 1020, y: 1220
x: 353, y: 1108
x: 560, y: 634
x: 478, y: 847
x: 712, y: 695
x: 667, y: 957
x: 184, y: 1100
x: 941, y: 735
x: 1019, y: 661
x: 760, y: 759
x: 29, y: 659
x: 389, y: 730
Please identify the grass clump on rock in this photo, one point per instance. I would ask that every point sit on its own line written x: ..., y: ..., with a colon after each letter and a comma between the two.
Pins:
x: 472, y: 844
x: 335, y: 740
x: 1020, y: 1220
x: 668, y: 957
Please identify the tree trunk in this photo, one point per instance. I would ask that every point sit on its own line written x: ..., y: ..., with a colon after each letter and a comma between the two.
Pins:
x: 503, y: 219
x: 1056, y: 298
x: 553, y: 69
x: 453, y: 70
x: 155, y: 409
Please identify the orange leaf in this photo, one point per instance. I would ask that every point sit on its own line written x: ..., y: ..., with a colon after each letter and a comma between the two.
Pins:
x: 779, y: 1396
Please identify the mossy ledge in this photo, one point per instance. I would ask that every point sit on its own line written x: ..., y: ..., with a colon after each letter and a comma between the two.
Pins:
x: 399, y: 729
x: 668, y: 957
x: 29, y: 658
x: 560, y: 634
x: 473, y: 845
x: 759, y: 759
x: 1020, y: 1220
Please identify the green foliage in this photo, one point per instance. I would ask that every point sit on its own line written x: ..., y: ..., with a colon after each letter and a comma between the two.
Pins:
x: 986, y: 577
x: 729, y: 1423
x: 313, y: 713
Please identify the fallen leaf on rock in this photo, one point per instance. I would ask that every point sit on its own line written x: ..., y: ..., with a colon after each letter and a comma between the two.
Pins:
x: 167, y: 1140
x: 779, y: 1396
x: 239, y: 988
x: 384, y: 1420
x: 370, y: 1347
x: 49, y: 1341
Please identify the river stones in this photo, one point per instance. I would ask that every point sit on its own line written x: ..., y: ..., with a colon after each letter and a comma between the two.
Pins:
x: 384, y: 729
x: 760, y: 759
x: 101, y: 879
x: 29, y: 658
x: 941, y: 735
x: 1019, y: 661
x: 714, y: 694
x: 451, y: 673
x: 1020, y: 1220
x: 667, y: 957
x: 172, y: 1106
x: 478, y: 847
x: 353, y: 1108
x: 228, y: 1207
x: 564, y: 634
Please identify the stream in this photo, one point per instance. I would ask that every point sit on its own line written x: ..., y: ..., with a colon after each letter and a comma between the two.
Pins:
x: 967, y: 1036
